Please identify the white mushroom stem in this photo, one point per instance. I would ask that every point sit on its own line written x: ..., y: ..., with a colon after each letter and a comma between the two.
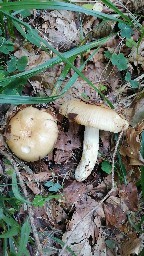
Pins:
x: 89, y: 155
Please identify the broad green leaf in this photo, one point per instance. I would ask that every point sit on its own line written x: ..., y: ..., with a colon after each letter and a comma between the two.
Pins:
x: 12, y: 65
x: 119, y: 61
x: 22, y: 63
x: 130, y: 43
x: 6, y: 46
x: 39, y: 201
x: 25, y: 232
x: 134, y: 84
x: 53, y: 187
x: 106, y: 167
x: 108, y: 54
x: 125, y: 30
x: 128, y: 76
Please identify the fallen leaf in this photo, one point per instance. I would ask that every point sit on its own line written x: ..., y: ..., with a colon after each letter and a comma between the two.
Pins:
x: 115, y: 212
x: 74, y: 192
x: 131, y: 146
x: 137, y: 55
x: 78, y: 234
x: 131, y: 247
x: 69, y: 140
x: 129, y: 195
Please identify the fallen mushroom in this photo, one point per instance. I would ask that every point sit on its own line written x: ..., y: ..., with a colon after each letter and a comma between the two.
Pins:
x: 31, y: 134
x: 94, y: 118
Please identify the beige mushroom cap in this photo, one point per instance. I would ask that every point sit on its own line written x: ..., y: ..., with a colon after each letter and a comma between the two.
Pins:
x: 101, y: 117
x: 31, y: 134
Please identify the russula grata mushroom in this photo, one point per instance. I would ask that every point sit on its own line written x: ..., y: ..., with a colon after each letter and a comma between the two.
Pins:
x: 31, y: 134
x: 94, y: 118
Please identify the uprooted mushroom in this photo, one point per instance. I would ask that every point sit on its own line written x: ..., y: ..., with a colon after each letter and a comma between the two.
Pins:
x: 31, y: 134
x: 94, y: 118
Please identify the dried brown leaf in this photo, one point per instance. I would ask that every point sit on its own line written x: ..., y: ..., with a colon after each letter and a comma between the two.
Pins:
x: 114, y: 212
x: 74, y: 192
x: 79, y: 235
x: 131, y: 147
x: 69, y: 140
x: 129, y: 195
x: 131, y: 247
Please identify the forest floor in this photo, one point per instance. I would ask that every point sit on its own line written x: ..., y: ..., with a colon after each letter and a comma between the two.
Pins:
x: 102, y: 215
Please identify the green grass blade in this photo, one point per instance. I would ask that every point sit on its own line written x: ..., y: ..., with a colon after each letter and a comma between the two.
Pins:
x: 16, y: 99
x: 62, y: 76
x: 11, y: 232
x: 73, y: 79
x: 53, y: 5
x: 15, y: 189
x: 25, y: 232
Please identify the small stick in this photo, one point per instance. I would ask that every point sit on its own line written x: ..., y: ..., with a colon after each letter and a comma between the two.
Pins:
x: 113, y: 158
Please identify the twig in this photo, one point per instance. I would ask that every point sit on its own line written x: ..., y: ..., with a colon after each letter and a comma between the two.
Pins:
x: 105, y: 198
x: 29, y: 207
x: 113, y: 158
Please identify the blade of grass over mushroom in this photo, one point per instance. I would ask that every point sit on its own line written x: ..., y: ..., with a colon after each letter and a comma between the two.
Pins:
x: 53, y: 5
x: 16, y: 99
x: 62, y: 76
x: 75, y: 75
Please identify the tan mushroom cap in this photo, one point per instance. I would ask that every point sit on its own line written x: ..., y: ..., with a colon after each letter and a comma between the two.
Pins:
x: 101, y: 117
x: 31, y: 134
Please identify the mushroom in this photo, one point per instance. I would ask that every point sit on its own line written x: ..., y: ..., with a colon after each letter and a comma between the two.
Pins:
x: 94, y: 118
x: 31, y: 134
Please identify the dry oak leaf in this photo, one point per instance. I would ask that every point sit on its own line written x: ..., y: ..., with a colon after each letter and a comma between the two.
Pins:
x: 131, y: 146
x: 131, y: 247
x: 115, y: 212
x: 74, y: 192
x: 32, y: 180
x: 69, y: 140
x: 137, y: 55
x: 61, y: 29
x: 129, y: 195
x: 77, y: 235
